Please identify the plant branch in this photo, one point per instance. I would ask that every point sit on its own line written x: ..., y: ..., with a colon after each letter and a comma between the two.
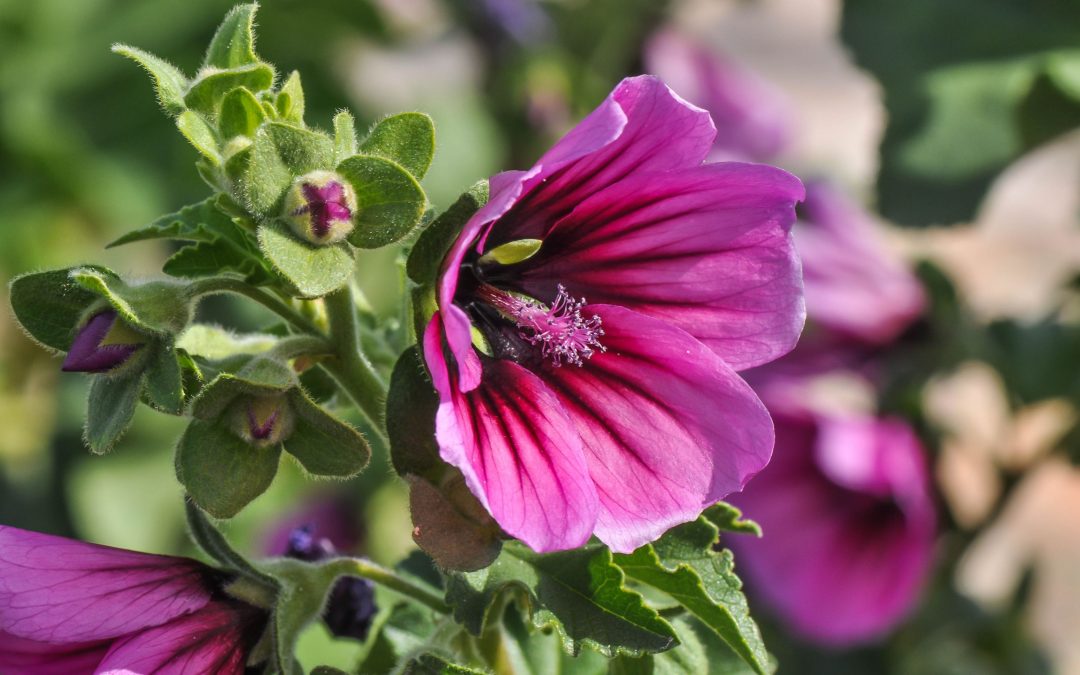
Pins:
x: 351, y: 368
x: 366, y: 569
x: 218, y: 285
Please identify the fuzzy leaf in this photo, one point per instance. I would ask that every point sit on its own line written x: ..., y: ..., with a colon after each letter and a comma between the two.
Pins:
x: 434, y: 664
x: 210, y: 86
x: 169, y: 83
x: 407, y: 139
x: 199, y: 134
x: 109, y: 409
x: 389, y: 201
x: 581, y: 594
x: 158, y: 307
x: 435, y: 241
x: 410, y: 417
x: 344, y: 136
x: 216, y: 343
x: 684, y: 564
x: 241, y: 114
x: 688, y: 658
x: 280, y: 153
x: 323, y: 444
x: 290, y: 100
x: 451, y: 525
x: 314, y: 270
x: 233, y: 43
x: 221, y: 472
x: 49, y: 306
x: 260, y: 376
x: 163, y: 387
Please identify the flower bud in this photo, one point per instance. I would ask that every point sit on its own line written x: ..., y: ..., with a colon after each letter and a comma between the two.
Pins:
x: 320, y: 207
x: 262, y: 421
x: 104, y: 343
x: 351, y: 607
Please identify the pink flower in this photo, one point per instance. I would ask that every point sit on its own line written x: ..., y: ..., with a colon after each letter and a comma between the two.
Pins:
x: 753, y: 118
x: 72, y: 608
x: 855, y: 286
x: 624, y: 415
x: 848, y: 522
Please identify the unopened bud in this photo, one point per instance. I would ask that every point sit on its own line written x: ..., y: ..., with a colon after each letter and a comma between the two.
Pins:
x: 262, y: 421
x: 104, y: 343
x: 320, y: 207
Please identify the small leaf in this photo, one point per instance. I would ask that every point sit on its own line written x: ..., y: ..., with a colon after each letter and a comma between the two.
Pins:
x: 210, y: 86
x: 407, y: 139
x: 389, y: 200
x: 169, y: 83
x: 410, y: 417
x: 259, y: 377
x: 49, y: 306
x: 280, y: 153
x: 323, y: 444
x: 344, y: 136
x: 222, y: 473
x: 580, y: 594
x: 208, y: 259
x: 434, y: 664
x: 314, y: 270
x: 688, y: 658
x: 189, y: 223
x: 233, y: 43
x: 683, y: 564
x: 163, y: 386
x: 290, y: 100
x: 435, y: 241
x: 199, y: 134
x: 109, y: 409
x: 241, y: 114
x: 512, y: 252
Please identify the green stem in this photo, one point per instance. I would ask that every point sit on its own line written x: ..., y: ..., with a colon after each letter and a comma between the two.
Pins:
x: 301, y: 345
x: 217, y: 285
x: 351, y: 368
x: 386, y: 577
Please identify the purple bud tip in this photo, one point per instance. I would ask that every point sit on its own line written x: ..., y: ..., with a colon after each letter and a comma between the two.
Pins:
x: 103, y: 343
x: 352, y: 607
x: 325, y: 205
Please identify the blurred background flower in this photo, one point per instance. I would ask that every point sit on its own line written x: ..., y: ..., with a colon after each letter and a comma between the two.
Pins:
x: 941, y: 243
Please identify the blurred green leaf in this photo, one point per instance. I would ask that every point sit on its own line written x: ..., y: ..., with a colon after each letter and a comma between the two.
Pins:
x: 434, y: 664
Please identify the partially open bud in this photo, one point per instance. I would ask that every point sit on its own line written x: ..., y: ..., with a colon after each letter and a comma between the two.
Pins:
x: 104, y: 343
x: 351, y: 606
x: 262, y: 421
x: 320, y: 207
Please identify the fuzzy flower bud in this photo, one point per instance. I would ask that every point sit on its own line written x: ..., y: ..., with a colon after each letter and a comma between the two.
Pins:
x: 262, y: 421
x: 102, y: 344
x: 320, y: 207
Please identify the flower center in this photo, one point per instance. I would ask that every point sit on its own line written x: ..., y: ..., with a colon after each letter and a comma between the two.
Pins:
x: 560, y: 331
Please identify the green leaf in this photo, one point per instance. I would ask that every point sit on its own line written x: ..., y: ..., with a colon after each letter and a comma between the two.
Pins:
x: 434, y: 664
x: 199, y: 134
x: 323, y: 444
x: 290, y: 100
x: 389, y: 200
x: 407, y: 139
x: 1052, y: 106
x: 312, y: 269
x: 684, y: 564
x: 49, y: 306
x: 233, y: 44
x: 280, y: 153
x: 410, y: 417
x: 261, y: 376
x: 163, y: 386
x: 197, y: 222
x: 512, y: 252
x: 109, y: 409
x: 581, y: 594
x: 241, y: 114
x: 688, y: 658
x: 169, y: 83
x: 210, y: 86
x: 221, y: 472
x: 430, y: 249
x: 344, y: 136
x: 157, y: 307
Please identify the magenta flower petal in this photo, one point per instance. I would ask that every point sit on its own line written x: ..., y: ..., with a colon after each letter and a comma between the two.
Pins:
x: 668, y: 428
x: 19, y: 656
x: 848, y: 522
x: 706, y: 249
x: 753, y: 119
x: 215, y: 639
x: 88, y: 355
x: 854, y: 284
x: 521, y: 457
x: 58, y: 590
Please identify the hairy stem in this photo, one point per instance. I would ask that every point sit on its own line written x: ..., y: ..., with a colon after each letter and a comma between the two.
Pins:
x: 218, y: 285
x: 359, y: 567
x: 351, y: 368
